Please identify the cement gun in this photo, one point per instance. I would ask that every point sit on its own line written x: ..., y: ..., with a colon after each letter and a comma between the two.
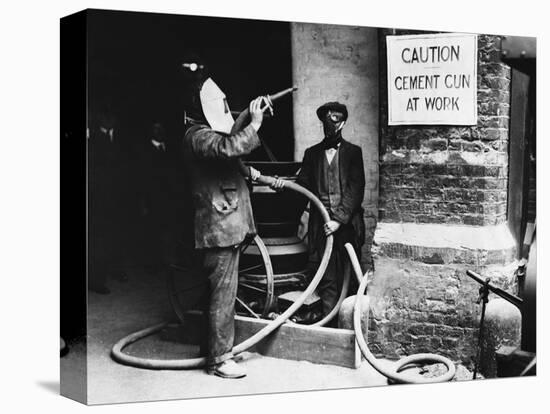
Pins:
x: 243, y: 118
x: 270, y: 99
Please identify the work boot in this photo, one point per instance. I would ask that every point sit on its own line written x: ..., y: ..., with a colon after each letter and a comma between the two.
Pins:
x: 227, y: 369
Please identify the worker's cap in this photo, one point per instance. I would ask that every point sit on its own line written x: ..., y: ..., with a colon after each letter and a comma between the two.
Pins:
x: 332, y: 106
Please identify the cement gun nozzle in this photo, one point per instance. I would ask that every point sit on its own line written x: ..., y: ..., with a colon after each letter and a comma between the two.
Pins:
x: 278, y: 95
x: 271, y: 98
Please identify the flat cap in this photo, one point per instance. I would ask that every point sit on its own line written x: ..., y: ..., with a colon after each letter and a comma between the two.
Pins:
x: 334, y: 106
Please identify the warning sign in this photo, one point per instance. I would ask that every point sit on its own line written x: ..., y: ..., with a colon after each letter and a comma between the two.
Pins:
x: 432, y: 79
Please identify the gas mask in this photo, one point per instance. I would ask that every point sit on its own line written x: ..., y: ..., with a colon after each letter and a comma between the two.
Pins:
x: 215, y: 108
x: 333, y: 124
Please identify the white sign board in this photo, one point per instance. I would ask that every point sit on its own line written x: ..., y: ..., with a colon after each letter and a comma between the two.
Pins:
x: 432, y: 79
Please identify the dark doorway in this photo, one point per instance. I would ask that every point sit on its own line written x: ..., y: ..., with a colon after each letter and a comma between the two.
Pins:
x: 134, y: 63
x: 134, y: 74
x: 520, y: 54
x: 522, y: 176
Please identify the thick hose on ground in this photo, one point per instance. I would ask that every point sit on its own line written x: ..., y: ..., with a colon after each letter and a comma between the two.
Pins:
x: 191, y: 363
x: 393, y: 373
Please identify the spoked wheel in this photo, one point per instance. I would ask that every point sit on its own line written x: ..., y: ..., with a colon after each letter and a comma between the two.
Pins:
x: 255, y: 294
x: 186, y: 287
x: 118, y: 354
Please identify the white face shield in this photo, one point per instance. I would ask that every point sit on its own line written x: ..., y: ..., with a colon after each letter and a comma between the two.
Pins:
x: 215, y: 108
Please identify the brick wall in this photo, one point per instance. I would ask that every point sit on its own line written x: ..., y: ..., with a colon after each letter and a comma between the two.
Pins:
x: 433, y: 181
x: 444, y: 174
x: 442, y: 211
x: 339, y: 63
x: 421, y: 298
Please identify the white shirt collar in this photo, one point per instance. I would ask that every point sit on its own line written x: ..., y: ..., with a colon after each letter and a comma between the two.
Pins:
x: 157, y: 144
x: 108, y: 131
x: 331, y: 152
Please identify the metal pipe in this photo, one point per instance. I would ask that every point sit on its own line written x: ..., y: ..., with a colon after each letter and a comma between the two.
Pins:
x: 244, y: 116
x: 278, y: 95
x: 484, y: 297
x: 514, y: 300
x: 270, y: 98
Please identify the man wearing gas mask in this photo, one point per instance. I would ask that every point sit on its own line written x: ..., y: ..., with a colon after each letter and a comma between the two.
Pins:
x: 222, y: 210
x: 333, y: 171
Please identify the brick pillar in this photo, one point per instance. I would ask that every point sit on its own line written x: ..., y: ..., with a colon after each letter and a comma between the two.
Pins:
x: 339, y: 63
x: 442, y: 209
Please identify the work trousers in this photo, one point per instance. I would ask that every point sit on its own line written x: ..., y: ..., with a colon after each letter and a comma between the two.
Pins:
x: 221, y: 265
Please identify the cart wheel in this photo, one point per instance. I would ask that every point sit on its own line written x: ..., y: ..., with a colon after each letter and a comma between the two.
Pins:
x: 255, y: 278
x: 186, y: 287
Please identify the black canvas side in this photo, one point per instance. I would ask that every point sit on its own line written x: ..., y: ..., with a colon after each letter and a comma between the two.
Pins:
x: 73, y: 171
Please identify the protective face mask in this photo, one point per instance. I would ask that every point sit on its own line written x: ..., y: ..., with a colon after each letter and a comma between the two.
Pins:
x: 215, y: 108
x: 331, y: 129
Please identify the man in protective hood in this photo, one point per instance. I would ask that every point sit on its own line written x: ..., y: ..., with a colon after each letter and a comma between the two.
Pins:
x: 222, y: 210
x: 333, y: 171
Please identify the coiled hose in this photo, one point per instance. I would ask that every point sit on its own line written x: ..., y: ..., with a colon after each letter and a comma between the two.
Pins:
x: 191, y: 363
x: 394, y: 373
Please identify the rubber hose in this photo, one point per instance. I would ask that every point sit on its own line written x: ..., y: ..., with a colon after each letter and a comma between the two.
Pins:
x: 191, y: 363
x: 394, y: 374
x: 334, y: 311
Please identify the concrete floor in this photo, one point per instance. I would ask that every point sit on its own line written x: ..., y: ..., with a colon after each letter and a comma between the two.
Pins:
x: 142, y: 302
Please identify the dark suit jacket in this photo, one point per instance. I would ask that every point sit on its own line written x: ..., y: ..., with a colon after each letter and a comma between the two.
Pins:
x: 223, y: 213
x: 106, y: 179
x: 156, y: 181
x: 349, y: 213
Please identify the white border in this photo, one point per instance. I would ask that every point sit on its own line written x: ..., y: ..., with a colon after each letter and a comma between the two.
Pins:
x: 29, y: 213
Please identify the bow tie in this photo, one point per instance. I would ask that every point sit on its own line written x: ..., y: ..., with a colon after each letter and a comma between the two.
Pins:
x: 328, y: 144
